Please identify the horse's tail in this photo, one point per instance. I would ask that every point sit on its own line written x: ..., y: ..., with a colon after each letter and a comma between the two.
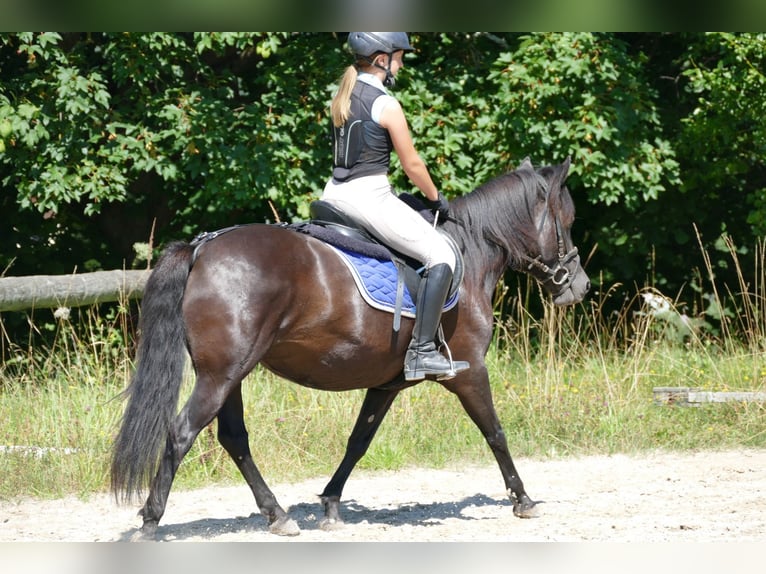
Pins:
x: 153, y: 391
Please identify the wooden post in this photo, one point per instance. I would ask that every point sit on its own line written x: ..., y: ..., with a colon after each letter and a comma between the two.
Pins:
x: 692, y: 397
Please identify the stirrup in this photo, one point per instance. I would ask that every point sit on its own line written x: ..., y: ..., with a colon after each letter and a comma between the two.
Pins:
x: 441, y: 373
x: 455, y: 366
x: 417, y: 370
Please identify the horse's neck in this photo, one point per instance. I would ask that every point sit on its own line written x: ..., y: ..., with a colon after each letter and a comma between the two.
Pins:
x: 484, y: 262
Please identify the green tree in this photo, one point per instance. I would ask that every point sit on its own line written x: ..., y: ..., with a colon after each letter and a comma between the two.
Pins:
x: 723, y: 139
x: 105, y: 137
x: 584, y: 95
x: 115, y: 131
x: 712, y: 101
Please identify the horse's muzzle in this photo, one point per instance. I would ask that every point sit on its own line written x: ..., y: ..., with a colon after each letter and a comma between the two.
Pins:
x: 574, y: 289
x: 566, y: 281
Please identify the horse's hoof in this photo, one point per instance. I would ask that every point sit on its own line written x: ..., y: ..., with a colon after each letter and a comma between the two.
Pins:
x: 138, y: 536
x: 526, y: 508
x: 328, y: 524
x: 284, y: 526
x: 526, y: 512
x: 147, y: 533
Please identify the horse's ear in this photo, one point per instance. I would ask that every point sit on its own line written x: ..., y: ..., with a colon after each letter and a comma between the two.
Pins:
x: 559, y: 176
x: 564, y: 168
x: 526, y: 163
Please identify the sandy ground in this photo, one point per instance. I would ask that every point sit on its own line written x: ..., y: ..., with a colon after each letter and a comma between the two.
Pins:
x: 658, y: 497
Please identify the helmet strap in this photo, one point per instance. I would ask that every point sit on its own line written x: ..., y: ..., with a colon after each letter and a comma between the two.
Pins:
x: 389, y: 80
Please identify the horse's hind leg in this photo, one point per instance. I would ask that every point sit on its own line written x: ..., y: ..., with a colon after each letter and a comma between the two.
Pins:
x: 203, y: 404
x: 374, y: 408
x: 232, y: 435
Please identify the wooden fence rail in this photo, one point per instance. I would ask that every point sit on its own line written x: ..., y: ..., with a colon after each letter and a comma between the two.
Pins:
x: 77, y: 290
x: 691, y: 397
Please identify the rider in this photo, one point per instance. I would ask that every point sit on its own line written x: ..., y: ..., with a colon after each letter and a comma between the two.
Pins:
x: 368, y: 124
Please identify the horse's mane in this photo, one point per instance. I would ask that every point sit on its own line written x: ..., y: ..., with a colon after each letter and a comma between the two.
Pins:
x: 503, y: 211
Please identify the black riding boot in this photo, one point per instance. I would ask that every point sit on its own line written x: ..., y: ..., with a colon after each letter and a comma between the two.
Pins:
x: 423, y: 359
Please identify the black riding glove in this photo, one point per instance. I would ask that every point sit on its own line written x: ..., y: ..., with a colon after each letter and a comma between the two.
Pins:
x: 440, y: 205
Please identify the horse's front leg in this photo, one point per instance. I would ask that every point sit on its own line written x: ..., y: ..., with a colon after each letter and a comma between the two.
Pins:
x: 474, y: 393
x: 374, y: 408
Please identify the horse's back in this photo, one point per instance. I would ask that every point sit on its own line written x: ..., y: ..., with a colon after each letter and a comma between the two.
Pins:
x: 257, y: 263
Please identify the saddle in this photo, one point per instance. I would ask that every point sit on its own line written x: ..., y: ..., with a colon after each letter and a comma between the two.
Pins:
x: 387, y: 280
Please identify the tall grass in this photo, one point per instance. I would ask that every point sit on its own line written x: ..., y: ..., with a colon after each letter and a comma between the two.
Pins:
x: 566, y: 382
x: 57, y: 407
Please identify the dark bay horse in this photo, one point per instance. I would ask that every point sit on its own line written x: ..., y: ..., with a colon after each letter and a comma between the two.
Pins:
x: 265, y: 294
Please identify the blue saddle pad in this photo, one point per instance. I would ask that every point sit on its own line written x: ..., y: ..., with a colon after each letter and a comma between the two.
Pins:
x: 376, y: 280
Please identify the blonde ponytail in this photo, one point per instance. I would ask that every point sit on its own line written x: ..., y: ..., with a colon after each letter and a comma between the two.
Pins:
x: 341, y: 102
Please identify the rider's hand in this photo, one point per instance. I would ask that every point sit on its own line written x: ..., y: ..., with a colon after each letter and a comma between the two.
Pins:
x: 440, y: 205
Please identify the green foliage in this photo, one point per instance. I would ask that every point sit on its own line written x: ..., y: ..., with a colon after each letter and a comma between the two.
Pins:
x: 57, y: 164
x: 587, y: 96
x: 582, y: 95
x: 107, y: 139
x: 726, y: 128
x: 444, y: 91
x: 710, y: 95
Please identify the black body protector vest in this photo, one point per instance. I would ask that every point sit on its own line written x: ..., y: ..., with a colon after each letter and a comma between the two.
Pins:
x: 360, y: 146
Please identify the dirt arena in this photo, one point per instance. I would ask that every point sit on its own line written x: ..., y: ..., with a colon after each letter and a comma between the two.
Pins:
x: 659, y: 497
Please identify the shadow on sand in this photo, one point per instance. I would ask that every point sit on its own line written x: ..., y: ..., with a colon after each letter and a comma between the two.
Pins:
x: 309, y: 515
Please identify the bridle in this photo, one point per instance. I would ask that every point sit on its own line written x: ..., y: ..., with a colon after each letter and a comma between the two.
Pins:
x: 558, y: 278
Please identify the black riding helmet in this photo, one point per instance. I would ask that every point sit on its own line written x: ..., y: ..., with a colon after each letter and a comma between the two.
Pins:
x: 366, y: 44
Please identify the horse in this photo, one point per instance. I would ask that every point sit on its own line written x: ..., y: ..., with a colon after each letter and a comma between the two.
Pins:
x: 264, y: 294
